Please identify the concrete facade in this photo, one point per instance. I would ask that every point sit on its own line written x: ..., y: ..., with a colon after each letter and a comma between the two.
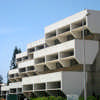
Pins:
x: 53, y: 65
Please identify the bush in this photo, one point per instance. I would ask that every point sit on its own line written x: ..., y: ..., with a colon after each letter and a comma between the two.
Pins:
x: 88, y: 98
x: 60, y: 98
x: 91, y: 98
x: 40, y: 98
x: 43, y: 98
x: 49, y: 98
x: 81, y: 98
x: 52, y: 98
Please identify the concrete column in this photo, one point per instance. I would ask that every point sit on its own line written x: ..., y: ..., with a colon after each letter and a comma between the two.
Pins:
x: 45, y: 59
x: 35, y: 48
x: 57, y: 31
x: 58, y: 55
x: 70, y: 27
x: 46, y: 86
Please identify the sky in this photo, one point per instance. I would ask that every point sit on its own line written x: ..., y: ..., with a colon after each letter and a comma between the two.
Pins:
x: 23, y: 21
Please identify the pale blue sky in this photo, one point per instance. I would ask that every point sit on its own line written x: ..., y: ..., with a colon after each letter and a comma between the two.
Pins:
x: 23, y: 21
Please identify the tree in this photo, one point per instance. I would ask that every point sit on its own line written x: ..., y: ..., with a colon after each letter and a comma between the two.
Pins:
x: 1, y: 79
x: 8, y: 81
x: 13, y: 60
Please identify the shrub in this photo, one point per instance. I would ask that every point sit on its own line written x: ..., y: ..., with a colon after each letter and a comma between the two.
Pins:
x: 52, y: 98
x: 91, y: 98
x: 49, y: 98
x: 40, y: 98
x: 81, y: 98
x: 43, y: 98
x: 60, y: 98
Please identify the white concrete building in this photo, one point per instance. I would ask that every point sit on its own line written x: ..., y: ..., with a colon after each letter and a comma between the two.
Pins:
x: 54, y: 64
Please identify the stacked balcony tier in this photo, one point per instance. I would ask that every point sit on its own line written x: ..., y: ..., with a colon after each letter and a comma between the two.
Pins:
x: 57, y: 84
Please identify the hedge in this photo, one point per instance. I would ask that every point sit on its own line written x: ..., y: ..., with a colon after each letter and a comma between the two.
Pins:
x: 61, y: 98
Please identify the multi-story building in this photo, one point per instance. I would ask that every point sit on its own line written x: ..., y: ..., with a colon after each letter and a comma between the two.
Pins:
x: 54, y: 64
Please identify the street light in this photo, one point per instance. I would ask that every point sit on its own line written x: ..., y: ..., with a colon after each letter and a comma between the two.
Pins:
x: 84, y: 63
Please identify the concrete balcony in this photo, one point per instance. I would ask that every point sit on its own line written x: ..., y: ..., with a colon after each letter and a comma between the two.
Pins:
x: 89, y: 19
x: 39, y: 86
x: 69, y: 50
x: 36, y: 43
x: 51, y: 34
x: 66, y: 22
x: 15, y: 85
x: 40, y: 60
x: 34, y: 46
x: 65, y: 54
x: 15, y: 88
x: 21, y: 57
x: 28, y: 88
x: 14, y: 75
x: 54, y: 83
x: 15, y: 91
x: 13, y: 71
x: 54, y: 49
x: 62, y: 35
x: 23, y: 72
x: 27, y: 71
x: 31, y: 71
x: 26, y: 68
x: 4, y: 90
x: 26, y: 63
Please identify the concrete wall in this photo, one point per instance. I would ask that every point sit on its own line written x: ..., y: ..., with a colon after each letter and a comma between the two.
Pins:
x: 93, y: 20
x: 91, y: 50
x: 72, y: 82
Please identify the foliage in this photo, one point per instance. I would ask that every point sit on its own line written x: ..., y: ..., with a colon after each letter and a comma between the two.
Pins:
x: 81, y: 98
x: 40, y: 98
x: 1, y: 79
x: 91, y: 98
x: 49, y: 98
x: 60, y: 98
x: 88, y: 98
x: 8, y: 81
x: 52, y: 98
x: 44, y: 98
x: 13, y: 60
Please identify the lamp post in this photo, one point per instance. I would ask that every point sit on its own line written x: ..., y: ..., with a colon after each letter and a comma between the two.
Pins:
x: 6, y: 95
x: 84, y: 63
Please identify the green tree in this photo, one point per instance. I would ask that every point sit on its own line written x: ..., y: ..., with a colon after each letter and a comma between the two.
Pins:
x: 13, y: 60
x: 8, y: 81
x: 1, y: 79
